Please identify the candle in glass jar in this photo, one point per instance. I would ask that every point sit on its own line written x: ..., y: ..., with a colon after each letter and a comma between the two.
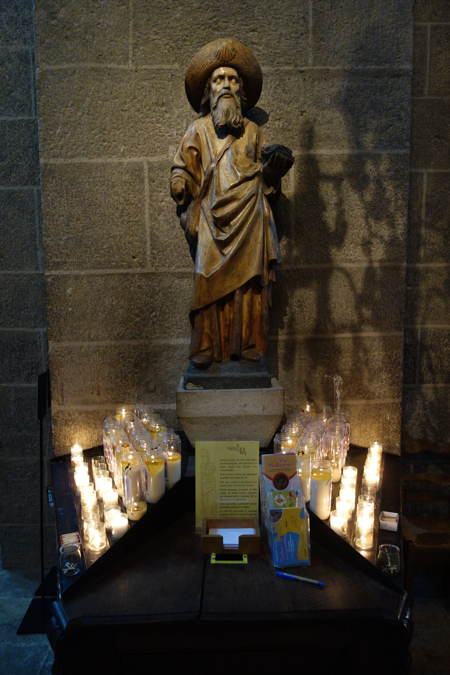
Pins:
x: 304, y: 473
x: 110, y: 515
x: 96, y: 539
x: 76, y: 452
x: 349, y: 475
x: 173, y: 467
x: 110, y: 499
x: 338, y: 522
x: 375, y: 449
x: 119, y: 525
x: 156, y: 480
x: 348, y: 494
x: 320, y: 501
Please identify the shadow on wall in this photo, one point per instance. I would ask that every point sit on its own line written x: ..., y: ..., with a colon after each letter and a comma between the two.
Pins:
x: 346, y: 208
x: 426, y: 410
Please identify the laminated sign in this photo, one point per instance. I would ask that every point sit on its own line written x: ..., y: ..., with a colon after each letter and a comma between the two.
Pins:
x: 226, y: 479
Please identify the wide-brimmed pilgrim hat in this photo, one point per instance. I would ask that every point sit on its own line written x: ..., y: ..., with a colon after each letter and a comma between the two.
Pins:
x: 223, y: 52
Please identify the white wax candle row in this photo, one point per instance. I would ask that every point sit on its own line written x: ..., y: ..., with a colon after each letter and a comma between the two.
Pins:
x: 91, y: 496
x: 365, y: 511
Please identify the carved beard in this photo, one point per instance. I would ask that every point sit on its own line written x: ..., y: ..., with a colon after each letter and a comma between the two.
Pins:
x: 226, y: 112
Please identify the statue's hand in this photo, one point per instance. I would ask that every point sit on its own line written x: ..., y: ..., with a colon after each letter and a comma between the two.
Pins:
x: 277, y: 160
x: 178, y: 190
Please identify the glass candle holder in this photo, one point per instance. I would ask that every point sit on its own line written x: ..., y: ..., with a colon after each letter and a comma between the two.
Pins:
x: 277, y: 443
x: 125, y: 413
x: 110, y: 514
x: 173, y: 466
x: 304, y: 473
x: 339, y: 523
x: 156, y: 480
x: 348, y: 494
x: 76, y: 453
x: 320, y: 501
x: 82, y: 480
x: 350, y: 475
x: 134, y: 485
x: 343, y: 507
x: 110, y: 499
x: 287, y: 442
x: 70, y: 559
x: 96, y: 538
x: 364, y: 531
x: 119, y: 525
x: 331, y: 449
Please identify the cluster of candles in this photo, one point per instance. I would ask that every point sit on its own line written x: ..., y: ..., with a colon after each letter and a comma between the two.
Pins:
x: 141, y: 458
x: 321, y: 443
x: 99, y: 502
x: 340, y: 518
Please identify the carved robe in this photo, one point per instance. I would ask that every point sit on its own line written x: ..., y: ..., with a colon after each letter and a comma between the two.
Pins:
x: 230, y: 224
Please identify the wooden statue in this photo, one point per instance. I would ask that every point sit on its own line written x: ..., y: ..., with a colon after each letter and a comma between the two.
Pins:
x: 221, y: 177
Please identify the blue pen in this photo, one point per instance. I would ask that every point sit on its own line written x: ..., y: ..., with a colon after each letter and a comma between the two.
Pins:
x: 297, y: 578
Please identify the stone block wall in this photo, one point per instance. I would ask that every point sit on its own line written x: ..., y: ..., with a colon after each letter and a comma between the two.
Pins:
x: 23, y: 339
x: 427, y: 324
x: 112, y: 111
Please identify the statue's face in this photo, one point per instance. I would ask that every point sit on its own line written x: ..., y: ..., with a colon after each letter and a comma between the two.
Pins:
x: 224, y: 82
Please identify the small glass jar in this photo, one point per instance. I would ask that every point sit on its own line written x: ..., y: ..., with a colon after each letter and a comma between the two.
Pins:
x: 134, y: 486
x: 70, y: 559
x: 339, y: 523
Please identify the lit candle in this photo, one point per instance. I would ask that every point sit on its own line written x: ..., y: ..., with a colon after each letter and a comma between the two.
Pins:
x: 304, y: 473
x: 82, y: 480
x: 156, y: 481
x: 348, y: 494
x: 376, y: 449
x: 320, y: 501
x: 343, y: 507
x: 110, y: 515
x: 76, y: 450
x: 97, y: 539
x: 335, y: 471
x: 173, y: 467
x: 119, y: 525
x: 338, y: 523
x: 110, y: 499
x: 349, y: 475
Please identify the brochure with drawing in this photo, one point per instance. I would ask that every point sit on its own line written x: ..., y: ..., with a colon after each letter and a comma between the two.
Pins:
x: 226, y: 480
x: 284, y: 514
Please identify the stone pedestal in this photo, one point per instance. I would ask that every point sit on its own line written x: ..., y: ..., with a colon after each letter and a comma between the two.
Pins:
x: 230, y: 414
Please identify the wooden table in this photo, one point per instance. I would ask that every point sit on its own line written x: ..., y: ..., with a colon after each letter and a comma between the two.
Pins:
x: 154, y: 603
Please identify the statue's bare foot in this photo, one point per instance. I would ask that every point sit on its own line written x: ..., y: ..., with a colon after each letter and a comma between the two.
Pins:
x: 202, y: 359
x: 251, y: 354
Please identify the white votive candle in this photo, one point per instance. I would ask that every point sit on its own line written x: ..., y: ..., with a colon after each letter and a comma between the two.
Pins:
x: 76, y: 451
x: 173, y: 467
x: 110, y: 499
x: 97, y: 539
x: 375, y: 450
x: 349, y: 475
x: 110, y: 515
x: 338, y: 522
x: 156, y: 480
x: 119, y: 525
x: 320, y: 501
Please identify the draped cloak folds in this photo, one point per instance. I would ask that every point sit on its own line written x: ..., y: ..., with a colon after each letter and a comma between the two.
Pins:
x: 236, y: 245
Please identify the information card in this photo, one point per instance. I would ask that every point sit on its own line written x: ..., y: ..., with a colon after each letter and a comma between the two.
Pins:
x: 226, y: 479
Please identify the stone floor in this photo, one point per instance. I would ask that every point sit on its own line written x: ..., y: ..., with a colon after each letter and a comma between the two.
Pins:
x: 31, y: 654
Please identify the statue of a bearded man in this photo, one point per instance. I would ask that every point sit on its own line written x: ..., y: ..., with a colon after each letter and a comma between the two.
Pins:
x: 221, y: 178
